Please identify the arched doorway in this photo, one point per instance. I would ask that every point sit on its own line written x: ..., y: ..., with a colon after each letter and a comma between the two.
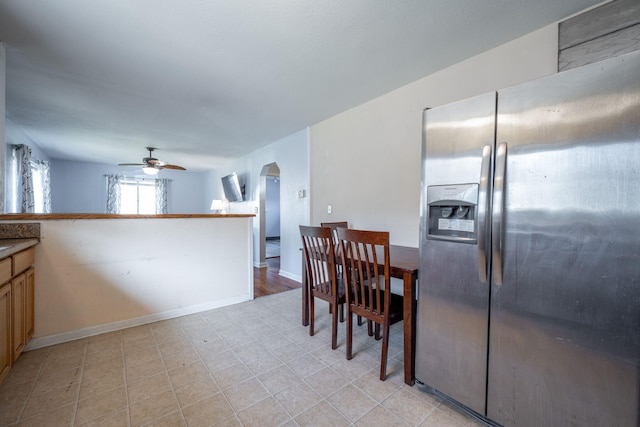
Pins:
x: 273, y: 171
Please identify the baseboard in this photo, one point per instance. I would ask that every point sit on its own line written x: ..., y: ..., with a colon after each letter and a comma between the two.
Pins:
x: 40, y: 342
x: 260, y: 264
x: 291, y: 276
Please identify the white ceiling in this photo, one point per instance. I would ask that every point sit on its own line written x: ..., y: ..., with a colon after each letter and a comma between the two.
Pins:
x: 209, y: 80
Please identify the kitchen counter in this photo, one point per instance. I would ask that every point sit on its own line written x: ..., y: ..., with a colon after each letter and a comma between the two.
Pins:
x: 9, y: 247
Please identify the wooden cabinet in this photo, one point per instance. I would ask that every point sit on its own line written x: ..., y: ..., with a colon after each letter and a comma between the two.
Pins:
x: 30, y: 302
x: 6, y: 353
x: 17, y: 287
x: 18, y: 305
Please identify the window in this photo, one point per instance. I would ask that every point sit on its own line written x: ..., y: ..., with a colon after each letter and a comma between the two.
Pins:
x: 38, y: 190
x: 137, y: 197
x: 132, y: 196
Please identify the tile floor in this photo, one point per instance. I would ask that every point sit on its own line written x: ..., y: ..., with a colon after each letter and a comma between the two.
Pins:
x: 251, y: 364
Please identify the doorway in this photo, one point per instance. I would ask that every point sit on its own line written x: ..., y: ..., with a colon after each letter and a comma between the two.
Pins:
x: 269, y: 211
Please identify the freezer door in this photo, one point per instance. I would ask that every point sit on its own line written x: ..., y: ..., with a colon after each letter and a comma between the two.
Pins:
x: 452, y: 318
x: 565, y: 320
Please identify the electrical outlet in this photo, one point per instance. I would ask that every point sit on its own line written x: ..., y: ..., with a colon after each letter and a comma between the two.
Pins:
x: 329, y: 209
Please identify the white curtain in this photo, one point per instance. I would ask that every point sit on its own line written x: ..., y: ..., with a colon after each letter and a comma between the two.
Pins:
x: 161, y: 195
x: 23, y: 179
x: 113, y: 194
x: 28, y: 182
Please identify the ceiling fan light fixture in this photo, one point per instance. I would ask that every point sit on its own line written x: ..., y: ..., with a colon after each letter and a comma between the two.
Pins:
x: 150, y: 170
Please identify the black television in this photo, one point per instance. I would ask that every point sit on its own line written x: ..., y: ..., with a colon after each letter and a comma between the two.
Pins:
x: 233, y: 192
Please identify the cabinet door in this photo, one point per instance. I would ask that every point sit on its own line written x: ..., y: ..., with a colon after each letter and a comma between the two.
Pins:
x: 6, y: 353
x: 30, y: 303
x: 18, y: 296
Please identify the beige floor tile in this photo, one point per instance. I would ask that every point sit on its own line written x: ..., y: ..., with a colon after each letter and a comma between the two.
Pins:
x: 187, y: 373
x: 209, y: 411
x: 380, y: 417
x: 174, y: 419
x: 209, y: 349
x: 378, y: 390
x: 10, y: 410
x: 353, y: 369
x: 77, y: 347
x: 321, y: 415
x: 99, y: 355
x: 140, y: 355
x: 61, y: 362
x: 351, y: 402
x: 438, y: 418
x: 306, y: 365
x: 99, y: 385
x: 132, y: 345
x: 278, y: 379
x: 196, y: 391
x: 408, y: 406
x: 146, y: 387
x: 289, y: 352
x: 220, y: 361
x: 101, y: 405
x: 267, y: 413
x: 169, y: 344
x: 231, y: 376
x: 264, y: 363
x: 257, y: 353
x: 62, y: 416
x: 246, y: 394
x: 233, y: 421
x: 50, y: 401
x: 143, y: 370
x: 180, y: 357
x: 153, y: 408
x: 298, y: 398
x: 117, y: 418
x: 112, y: 366
x: 461, y: 417
x: 326, y: 382
x: 51, y: 382
x: 108, y: 338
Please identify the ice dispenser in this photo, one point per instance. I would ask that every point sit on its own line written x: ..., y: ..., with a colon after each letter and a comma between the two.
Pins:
x: 452, y: 212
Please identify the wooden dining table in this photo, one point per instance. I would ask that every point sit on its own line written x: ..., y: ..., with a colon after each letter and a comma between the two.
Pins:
x: 403, y: 265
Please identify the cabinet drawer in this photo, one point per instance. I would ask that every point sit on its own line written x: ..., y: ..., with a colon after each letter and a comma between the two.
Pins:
x: 23, y: 260
x: 5, y: 270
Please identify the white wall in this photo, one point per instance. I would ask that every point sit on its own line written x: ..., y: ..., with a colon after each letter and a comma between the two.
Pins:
x: 80, y: 187
x: 291, y: 155
x: 365, y: 162
x: 99, y: 275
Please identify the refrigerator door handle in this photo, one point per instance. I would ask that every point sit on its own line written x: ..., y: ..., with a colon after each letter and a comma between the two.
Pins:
x: 498, y: 212
x: 483, y: 207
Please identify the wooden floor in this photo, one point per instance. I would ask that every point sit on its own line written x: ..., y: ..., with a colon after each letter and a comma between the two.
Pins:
x: 267, y: 281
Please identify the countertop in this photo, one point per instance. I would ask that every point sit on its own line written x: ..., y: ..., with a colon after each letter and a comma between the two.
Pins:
x: 9, y: 247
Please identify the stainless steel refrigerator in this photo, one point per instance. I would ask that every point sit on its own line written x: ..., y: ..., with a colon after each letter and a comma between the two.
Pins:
x: 529, y: 288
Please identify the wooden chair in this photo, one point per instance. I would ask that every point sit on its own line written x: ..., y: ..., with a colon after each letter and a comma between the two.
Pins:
x: 322, y: 277
x: 334, y: 229
x: 365, y: 262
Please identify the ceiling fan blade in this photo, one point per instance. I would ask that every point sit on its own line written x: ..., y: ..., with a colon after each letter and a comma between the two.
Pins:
x: 131, y: 164
x: 179, y: 168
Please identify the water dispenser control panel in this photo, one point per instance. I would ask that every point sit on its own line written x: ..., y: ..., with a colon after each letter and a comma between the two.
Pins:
x: 452, y: 212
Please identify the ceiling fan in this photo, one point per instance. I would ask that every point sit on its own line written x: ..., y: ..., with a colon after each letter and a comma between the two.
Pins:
x: 151, y: 165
